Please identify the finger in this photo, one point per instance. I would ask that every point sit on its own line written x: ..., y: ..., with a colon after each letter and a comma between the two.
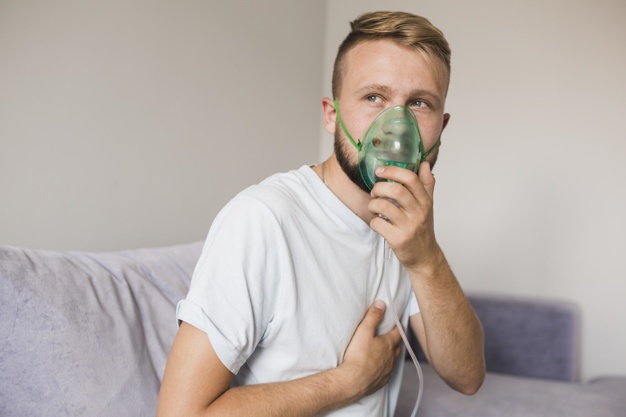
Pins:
x: 384, y: 228
x: 396, y: 174
x: 393, y: 201
x: 391, y: 191
x: 427, y: 178
x: 389, y: 209
x: 374, y: 316
x: 398, y: 350
x: 393, y: 336
x: 409, y: 179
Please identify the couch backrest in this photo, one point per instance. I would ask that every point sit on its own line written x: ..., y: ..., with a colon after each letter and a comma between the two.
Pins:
x: 88, y: 334
x: 531, y: 337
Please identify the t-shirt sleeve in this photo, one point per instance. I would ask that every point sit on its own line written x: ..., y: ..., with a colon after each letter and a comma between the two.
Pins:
x: 235, y: 284
x: 414, y: 308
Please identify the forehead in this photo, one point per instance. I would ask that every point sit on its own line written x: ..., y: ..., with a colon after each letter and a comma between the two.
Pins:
x: 401, y: 68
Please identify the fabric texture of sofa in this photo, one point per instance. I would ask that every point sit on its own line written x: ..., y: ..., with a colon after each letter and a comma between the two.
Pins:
x: 533, y: 357
x: 88, y: 334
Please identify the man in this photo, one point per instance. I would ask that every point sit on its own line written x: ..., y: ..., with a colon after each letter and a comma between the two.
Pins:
x: 286, y: 314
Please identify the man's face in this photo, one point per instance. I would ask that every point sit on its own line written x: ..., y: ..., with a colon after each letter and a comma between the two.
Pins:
x: 380, y: 74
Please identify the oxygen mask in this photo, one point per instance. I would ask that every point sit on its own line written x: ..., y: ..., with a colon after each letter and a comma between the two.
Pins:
x: 393, y: 138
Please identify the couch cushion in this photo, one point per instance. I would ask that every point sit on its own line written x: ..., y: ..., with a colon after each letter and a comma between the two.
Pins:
x: 513, y: 396
x: 88, y: 333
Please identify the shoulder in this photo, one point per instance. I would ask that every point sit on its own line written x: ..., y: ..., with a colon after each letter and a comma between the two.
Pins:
x: 267, y: 205
x: 278, y: 196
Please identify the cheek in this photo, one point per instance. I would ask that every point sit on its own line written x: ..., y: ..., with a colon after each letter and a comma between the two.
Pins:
x: 360, y: 121
x: 430, y: 129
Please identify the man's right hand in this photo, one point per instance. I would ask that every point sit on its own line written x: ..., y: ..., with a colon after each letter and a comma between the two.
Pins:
x: 196, y: 383
x: 369, y: 358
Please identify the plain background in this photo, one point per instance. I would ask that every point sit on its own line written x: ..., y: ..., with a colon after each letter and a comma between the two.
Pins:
x: 127, y: 124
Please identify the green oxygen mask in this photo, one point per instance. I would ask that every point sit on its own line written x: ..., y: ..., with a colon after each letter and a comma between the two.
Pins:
x: 393, y: 138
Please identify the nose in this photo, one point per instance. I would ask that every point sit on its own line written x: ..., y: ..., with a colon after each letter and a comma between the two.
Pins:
x: 398, y: 122
x: 396, y: 127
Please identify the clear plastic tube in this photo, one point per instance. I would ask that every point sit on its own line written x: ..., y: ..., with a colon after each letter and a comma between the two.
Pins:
x: 396, y: 318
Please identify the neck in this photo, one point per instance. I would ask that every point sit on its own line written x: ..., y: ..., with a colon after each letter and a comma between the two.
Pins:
x: 344, y: 189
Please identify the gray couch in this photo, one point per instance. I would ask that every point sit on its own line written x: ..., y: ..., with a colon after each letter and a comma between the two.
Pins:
x: 532, y: 349
x: 87, y: 334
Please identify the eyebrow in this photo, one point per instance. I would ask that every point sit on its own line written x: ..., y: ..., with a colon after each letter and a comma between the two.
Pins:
x: 374, y: 87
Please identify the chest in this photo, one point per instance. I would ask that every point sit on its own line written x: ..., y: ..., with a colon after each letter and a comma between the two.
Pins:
x: 324, y: 293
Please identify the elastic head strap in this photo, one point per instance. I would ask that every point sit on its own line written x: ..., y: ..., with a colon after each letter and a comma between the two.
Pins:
x: 425, y: 155
x: 358, y: 145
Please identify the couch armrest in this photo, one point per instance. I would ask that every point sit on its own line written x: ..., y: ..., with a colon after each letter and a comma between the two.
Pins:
x: 530, y: 337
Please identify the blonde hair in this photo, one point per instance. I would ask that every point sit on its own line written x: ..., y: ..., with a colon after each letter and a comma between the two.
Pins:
x: 405, y: 28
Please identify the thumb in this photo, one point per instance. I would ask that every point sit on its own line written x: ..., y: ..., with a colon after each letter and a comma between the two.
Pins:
x: 374, y: 316
x: 427, y: 178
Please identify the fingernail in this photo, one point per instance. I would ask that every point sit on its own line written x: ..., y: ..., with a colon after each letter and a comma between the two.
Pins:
x: 379, y: 170
x: 380, y: 304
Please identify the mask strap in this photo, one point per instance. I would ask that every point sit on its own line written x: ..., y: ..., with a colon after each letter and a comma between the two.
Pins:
x: 358, y: 145
x: 425, y: 155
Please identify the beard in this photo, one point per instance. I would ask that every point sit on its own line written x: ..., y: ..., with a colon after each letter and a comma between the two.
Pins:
x: 352, y: 169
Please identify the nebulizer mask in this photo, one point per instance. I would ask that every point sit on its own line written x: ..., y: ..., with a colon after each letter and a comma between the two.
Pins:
x: 393, y: 138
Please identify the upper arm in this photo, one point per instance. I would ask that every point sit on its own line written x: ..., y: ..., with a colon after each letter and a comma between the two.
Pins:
x: 194, y: 376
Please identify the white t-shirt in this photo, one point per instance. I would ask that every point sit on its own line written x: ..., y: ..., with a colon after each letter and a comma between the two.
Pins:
x: 285, y: 277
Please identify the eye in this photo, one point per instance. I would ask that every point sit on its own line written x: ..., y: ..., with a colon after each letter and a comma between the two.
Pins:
x: 418, y: 104
x: 373, y: 98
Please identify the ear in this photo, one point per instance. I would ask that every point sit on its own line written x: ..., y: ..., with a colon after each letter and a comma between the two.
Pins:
x: 330, y: 115
x: 446, y: 119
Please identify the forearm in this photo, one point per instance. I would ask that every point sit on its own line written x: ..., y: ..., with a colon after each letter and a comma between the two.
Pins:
x: 308, y: 396
x: 452, y: 332
x: 196, y: 383
x: 448, y: 328
x: 367, y: 366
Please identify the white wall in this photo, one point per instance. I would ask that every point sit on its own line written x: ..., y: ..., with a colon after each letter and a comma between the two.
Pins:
x: 531, y: 181
x: 130, y: 123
